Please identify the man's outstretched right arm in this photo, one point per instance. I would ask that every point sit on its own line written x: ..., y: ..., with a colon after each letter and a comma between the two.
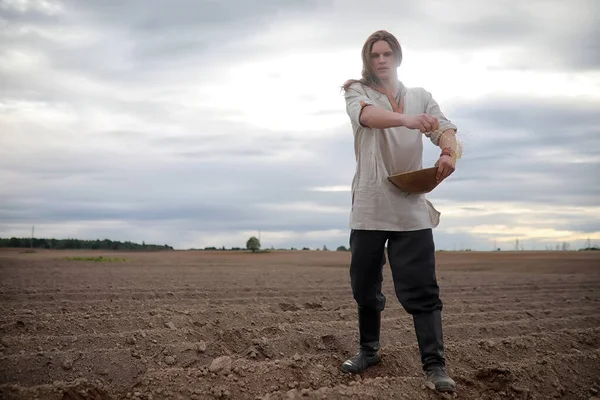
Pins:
x: 378, y: 118
x: 362, y: 111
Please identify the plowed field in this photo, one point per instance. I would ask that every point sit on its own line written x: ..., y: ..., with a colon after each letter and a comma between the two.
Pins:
x: 204, y: 325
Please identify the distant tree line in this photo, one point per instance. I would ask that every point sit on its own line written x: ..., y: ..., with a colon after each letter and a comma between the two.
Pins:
x: 79, y: 244
x: 253, y: 244
x: 223, y: 248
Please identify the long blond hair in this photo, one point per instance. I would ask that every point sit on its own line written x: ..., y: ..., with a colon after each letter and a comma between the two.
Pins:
x: 368, y: 75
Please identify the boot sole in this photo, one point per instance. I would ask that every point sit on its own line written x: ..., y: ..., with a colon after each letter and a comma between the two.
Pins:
x: 440, y: 388
x: 446, y: 389
x: 360, y: 371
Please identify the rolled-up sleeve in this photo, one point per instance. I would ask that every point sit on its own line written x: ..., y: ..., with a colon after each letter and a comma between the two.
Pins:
x: 432, y: 108
x: 356, y: 100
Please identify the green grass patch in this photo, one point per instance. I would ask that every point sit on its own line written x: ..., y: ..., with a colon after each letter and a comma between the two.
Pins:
x: 97, y: 259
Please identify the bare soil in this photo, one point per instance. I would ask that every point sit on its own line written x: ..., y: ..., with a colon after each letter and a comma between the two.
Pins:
x: 205, y: 325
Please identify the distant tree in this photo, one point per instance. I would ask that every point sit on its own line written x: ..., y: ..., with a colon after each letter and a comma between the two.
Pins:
x: 342, y: 248
x: 589, y: 246
x: 253, y: 244
x: 325, y: 248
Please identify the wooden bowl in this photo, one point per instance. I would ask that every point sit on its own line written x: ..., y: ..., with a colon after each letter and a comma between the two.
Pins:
x: 416, y: 182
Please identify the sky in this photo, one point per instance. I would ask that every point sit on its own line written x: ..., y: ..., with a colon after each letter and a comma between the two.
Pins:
x: 199, y: 123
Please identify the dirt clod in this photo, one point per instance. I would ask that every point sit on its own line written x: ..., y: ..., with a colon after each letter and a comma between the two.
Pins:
x: 170, y: 360
x: 201, y: 346
x: 221, y: 364
x: 67, y: 364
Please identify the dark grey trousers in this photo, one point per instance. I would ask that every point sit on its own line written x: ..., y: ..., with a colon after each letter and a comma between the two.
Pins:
x: 411, y: 256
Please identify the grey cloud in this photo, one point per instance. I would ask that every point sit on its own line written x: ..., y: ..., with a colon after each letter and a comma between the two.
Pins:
x: 485, y: 174
x: 514, y: 131
x: 244, y: 153
x: 140, y: 42
x: 533, y: 181
x: 546, y: 45
x: 586, y: 226
x: 127, y: 135
x: 542, y: 216
x: 586, y: 54
x: 30, y: 15
x: 526, y: 151
x: 245, y: 136
x: 163, y: 189
x: 154, y: 34
x: 459, y: 241
x: 324, y: 113
x: 468, y: 25
x: 221, y: 194
x: 556, y: 114
x: 575, y: 51
x: 151, y: 16
x: 194, y: 211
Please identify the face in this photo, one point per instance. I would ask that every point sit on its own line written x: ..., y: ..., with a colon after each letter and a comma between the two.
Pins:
x: 383, y: 62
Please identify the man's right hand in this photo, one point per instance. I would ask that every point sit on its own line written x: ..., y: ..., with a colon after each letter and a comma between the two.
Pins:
x: 422, y: 122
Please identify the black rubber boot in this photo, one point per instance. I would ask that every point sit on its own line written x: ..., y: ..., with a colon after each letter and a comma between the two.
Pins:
x: 369, y: 324
x: 428, y: 328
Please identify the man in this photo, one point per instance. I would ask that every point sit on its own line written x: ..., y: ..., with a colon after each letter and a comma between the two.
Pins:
x: 388, y: 121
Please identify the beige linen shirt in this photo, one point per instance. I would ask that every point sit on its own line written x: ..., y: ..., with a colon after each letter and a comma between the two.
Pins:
x: 377, y: 204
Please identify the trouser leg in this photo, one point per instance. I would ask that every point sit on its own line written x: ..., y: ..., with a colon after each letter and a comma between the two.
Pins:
x: 366, y: 276
x: 366, y: 268
x: 412, y: 260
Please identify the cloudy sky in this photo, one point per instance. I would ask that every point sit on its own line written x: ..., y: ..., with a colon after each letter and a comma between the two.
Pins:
x: 198, y: 123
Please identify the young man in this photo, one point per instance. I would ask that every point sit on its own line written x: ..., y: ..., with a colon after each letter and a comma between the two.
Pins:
x: 388, y: 121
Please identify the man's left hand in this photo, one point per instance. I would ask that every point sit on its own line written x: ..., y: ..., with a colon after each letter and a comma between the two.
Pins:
x: 445, y: 166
